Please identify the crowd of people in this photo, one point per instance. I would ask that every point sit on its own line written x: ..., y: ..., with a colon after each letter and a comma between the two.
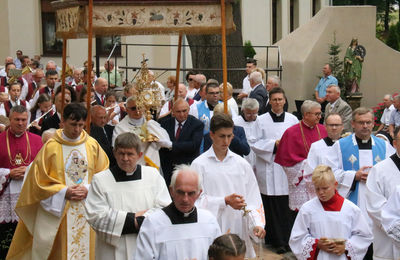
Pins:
x: 192, y: 182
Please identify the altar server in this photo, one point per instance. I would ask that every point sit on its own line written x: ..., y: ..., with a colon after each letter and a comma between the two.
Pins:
x: 229, y: 185
x: 329, y: 226
x: 118, y: 198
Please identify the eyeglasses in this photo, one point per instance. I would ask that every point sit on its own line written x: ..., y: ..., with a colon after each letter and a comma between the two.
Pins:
x: 132, y: 108
x: 368, y: 123
x: 190, y: 79
x: 316, y: 114
x: 334, y: 125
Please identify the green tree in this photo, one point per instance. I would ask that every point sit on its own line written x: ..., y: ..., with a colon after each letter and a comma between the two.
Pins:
x: 336, y: 63
x: 393, y: 37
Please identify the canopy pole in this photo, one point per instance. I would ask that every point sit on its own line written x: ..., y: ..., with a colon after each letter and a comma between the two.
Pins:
x: 178, y: 67
x: 63, y: 69
x: 89, y: 74
x: 224, y: 65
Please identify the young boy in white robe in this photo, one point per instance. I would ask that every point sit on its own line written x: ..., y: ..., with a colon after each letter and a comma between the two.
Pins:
x: 329, y: 226
x: 120, y: 197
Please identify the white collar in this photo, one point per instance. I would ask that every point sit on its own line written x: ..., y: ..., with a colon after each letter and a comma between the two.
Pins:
x: 69, y: 139
x: 211, y: 154
x: 182, y: 123
x: 135, y: 122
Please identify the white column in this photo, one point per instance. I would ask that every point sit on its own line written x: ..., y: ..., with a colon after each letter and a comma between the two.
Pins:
x: 285, y: 16
x: 305, y: 11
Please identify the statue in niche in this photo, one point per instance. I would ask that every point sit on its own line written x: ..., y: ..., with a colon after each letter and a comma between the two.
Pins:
x: 353, y: 60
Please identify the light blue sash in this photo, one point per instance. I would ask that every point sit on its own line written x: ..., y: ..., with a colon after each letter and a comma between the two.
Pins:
x: 351, y: 159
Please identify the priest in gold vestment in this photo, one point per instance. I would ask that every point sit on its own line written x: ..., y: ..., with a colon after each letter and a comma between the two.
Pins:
x: 52, y: 223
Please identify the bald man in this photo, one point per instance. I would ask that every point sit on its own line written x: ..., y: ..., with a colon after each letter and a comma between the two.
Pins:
x: 111, y: 74
x: 182, y: 93
x: 101, y: 131
x: 186, y: 133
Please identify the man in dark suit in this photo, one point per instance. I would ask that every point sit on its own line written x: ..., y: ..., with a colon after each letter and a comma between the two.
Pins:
x: 186, y: 133
x: 55, y: 119
x: 258, y: 91
x: 101, y: 131
x: 100, y: 90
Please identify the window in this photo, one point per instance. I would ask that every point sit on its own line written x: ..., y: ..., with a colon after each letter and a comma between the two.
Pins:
x: 52, y: 46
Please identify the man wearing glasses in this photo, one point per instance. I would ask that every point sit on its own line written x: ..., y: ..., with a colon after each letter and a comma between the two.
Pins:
x: 204, y: 110
x: 133, y: 122
x: 292, y: 151
x: 353, y: 156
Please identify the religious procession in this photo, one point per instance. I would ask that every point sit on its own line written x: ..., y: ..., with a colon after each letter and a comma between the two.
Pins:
x: 98, y: 164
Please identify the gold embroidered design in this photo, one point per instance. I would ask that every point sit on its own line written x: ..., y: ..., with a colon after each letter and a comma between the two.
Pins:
x: 78, y: 249
x: 76, y: 167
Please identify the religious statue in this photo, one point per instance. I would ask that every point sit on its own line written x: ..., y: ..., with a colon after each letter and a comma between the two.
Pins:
x: 353, y: 66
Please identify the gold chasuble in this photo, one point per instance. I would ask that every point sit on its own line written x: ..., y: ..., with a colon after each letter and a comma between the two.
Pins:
x: 41, y: 234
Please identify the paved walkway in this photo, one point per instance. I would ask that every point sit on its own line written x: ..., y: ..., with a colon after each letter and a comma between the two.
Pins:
x: 267, y: 253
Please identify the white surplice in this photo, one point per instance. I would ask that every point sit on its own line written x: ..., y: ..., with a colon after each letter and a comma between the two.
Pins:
x: 160, y: 239
x: 317, y: 154
x: 313, y: 222
x: 345, y: 178
x: 381, y: 184
x: 108, y: 203
x: 250, y: 130
x: 223, y: 178
x: 391, y: 221
x: 150, y: 150
x: 270, y: 176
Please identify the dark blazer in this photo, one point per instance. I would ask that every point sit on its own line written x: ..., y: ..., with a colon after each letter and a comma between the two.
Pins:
x: 98, y: 100
x: 260, y: 93
x: 51, y: 122
x: 185, y: 149
x: 238, y: 145
x: 104, y: 140
x: 197, y: 97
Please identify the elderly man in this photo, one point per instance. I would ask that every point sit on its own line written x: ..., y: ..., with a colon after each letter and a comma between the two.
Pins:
x: 3, y: 72
x: 229, y: 184
x: 251, y: 65
x: 325, y: 81
x: 18, y: 149
x: 353, y: 156
x: 199, y: 80
x: 381, y: 184
x: 293, y: 150
x: 115, y: 205
x: 180, y: 230
x: 337, y: 105
x: 34, y: 86
x: 258, y: 91
x: 76, y: 78
x: 385, y: 118
x: 53, y: 224
x: 274, y: 82
x: 101, y: 131
x: 270, y: 176
x: 186, y: 133
x: 248, y: 120
x: 319, y: 149
x: 111, y: 74
x: 100, y: 90
x: 135, y: 122
x: 182, y: 93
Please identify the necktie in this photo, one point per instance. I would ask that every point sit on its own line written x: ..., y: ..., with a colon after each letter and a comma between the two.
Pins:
x: 178, y: 131
x: 102, y: 99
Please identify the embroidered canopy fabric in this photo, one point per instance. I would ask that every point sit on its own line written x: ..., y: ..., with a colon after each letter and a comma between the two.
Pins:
x: 125, y: 17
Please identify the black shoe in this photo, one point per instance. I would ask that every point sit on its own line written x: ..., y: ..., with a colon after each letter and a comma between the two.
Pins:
x: 281, y: 250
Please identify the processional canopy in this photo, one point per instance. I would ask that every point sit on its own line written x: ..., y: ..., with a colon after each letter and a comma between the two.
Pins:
x: 127, y: 17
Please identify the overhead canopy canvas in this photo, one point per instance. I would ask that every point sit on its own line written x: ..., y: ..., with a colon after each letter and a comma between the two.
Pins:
x: 141, y: 17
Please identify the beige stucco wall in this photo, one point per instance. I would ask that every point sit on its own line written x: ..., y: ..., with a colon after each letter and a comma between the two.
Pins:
x: 304, y: 52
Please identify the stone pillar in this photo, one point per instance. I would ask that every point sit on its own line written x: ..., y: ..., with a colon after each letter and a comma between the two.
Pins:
x: 305, y: 11
x: 285, y: 16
